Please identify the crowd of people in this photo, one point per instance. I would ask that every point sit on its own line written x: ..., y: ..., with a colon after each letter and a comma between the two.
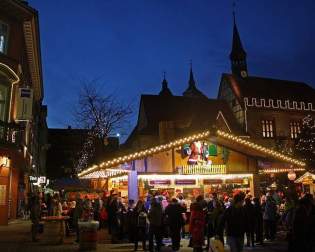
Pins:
x: 201, y: 220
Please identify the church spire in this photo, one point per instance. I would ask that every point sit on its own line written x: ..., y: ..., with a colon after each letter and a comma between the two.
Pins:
x: 165, y: 91
x: 238, y: 54
x: 191, y: 83
x: 192, y: 90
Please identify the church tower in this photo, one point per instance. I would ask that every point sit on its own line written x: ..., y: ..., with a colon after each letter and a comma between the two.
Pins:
x: 192, y: 91
x: 165, y: 91
x: 238, y: 54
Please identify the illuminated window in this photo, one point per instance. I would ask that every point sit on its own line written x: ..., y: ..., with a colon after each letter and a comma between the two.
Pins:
x: 268, y: 128
x: 295, y: 129
x: 3, y: 37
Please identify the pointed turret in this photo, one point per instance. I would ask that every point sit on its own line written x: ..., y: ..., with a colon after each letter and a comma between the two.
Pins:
x: 238, y: 54
x: 192, y: 90
x: 165, y: 91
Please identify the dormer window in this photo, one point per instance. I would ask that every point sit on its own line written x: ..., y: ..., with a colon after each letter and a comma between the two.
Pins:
x: 268, y: 128
x: 4, y: 33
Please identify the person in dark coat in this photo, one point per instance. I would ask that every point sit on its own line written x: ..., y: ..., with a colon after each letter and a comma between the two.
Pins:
x: 234, y: 221
x: 197, y: 224
x: 250, y: 227
x: 270, y: 218
x: 258, y: 221
x: 174, y: 212
x: 301, y: 239
x: 140, y: 217
x: 35, y: 215
x: 115, y: 210
x: 77, y: 214
x: 155, y: 229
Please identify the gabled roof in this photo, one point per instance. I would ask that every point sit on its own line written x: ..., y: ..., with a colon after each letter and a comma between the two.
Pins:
x: 189, y: 114
x: 267, y: 88
x: 192, y: 91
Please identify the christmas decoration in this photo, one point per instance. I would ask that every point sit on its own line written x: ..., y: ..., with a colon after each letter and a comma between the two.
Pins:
x: 305, y: 143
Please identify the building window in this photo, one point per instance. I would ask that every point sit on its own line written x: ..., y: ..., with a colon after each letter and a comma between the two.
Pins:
x: 268, y: 128
x: 295, y: 129
x: 4, y: 32
x: 4, y: 102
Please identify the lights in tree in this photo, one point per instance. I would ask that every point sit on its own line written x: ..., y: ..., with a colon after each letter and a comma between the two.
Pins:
x: 305, y: 143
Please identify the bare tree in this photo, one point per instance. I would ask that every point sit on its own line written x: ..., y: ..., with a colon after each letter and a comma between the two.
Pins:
x: 101, y: 114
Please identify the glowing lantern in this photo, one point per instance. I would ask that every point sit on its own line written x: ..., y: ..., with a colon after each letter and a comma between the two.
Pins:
x: 291, y: 175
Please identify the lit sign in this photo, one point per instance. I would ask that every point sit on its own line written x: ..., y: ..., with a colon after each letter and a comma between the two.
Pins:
x: 42, y: 180
x: 185, y: 182
x: 33, y: 179
x: 160, y: 182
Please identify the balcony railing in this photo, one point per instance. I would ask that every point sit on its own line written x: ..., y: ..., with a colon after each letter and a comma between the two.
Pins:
x: 202, y: 169
x: 11, y: 133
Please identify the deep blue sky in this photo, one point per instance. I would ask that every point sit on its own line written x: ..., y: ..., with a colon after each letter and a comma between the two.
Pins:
x: 129, y: 43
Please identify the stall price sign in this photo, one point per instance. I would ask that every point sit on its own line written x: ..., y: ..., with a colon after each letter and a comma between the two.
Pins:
x: 234, y: 181
x: 212, y: 181
x: 185, y: 182
x: 160, y: 182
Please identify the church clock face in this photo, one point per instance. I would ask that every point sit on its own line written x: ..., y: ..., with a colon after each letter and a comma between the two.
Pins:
x: 243, y: 74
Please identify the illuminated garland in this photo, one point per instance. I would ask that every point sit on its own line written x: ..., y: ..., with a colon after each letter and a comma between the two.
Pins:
x: 260, y: 148
x: 144, y: 153
x: 179, y: 142
x: 279, y: 170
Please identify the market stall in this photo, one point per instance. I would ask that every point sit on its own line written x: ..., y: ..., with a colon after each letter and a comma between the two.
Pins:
x: 307, y: 180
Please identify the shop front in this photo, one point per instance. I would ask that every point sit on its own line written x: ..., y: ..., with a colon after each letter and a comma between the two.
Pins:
x: 307, y: 182
x: 189, y: 186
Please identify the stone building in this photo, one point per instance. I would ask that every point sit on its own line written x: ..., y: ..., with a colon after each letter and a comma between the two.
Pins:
x: 23, y: 128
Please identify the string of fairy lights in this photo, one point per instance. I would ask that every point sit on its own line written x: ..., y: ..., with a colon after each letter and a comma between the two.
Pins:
x: 179, y: 142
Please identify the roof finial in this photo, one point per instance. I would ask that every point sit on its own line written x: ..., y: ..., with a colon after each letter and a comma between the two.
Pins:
x: 191, y: 75
x: 234, y: 7
x: 165, y: 90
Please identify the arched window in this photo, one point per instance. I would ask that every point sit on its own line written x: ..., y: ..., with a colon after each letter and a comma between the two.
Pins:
x: 7, y: 78
x: 4, y: 101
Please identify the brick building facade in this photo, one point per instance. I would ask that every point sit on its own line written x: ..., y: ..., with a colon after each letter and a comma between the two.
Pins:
x: 23, y: 128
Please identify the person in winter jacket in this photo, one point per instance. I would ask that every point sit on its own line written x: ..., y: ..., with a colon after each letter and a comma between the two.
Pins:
x: 270, y: 218
x: 258, y: 221
x: 35, y: 215
x: 174, y: 212
x: 140, y: 217
x: 234, y: 221
x: 250, y: 227
x: 302, y: 227
x: 197, y: 224
x: 155, y: 217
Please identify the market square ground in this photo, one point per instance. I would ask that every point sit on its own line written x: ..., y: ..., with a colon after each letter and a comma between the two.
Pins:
x: 17, y: 237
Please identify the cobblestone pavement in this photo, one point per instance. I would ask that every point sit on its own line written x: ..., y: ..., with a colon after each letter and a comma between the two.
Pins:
x: 16, y: 237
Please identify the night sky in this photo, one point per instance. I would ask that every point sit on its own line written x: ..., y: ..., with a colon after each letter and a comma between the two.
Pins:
x: 127, y: 44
